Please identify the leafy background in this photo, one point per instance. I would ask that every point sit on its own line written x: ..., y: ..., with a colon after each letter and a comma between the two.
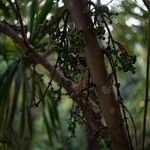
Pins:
x: 21, y: 83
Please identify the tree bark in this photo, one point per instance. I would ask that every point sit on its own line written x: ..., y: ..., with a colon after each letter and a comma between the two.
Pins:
x: 95, y: 61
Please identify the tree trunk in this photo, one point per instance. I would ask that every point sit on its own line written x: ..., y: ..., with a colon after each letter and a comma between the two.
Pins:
x: 95, y: 61
x: 92, y: 126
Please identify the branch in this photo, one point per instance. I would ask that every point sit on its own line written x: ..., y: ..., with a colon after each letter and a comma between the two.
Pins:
x: 40, y: 59
x: 5, y: 29
x: 58, y: 76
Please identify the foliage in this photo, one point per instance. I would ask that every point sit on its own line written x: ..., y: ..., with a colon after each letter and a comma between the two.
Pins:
x: 28, y: 92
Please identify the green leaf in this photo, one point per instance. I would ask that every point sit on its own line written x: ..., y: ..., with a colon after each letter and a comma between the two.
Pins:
x: 41, y: 16
x: 25, y: 91
x: 5, y: 9
x: 33, y: 11
x: 6, y: 80
x: 53, y: 119
x: 10, y: 50
x: 5, y: 87
x: 30, y: 123
x: 48, y: 128
x: 52, y: 115
x: 54, y: 106
x: 4, y: 107
x: 18, y: 81
x: 44, y: 12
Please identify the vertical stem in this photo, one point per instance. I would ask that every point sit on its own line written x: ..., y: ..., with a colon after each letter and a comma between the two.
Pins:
x: 146, y: 87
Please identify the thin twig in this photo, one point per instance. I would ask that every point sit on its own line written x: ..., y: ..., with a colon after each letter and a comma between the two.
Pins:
x: 49, y: 84
x: 116, y: 82
x: 109, y: 2
x: 20, y: 21
x: 134, y: 126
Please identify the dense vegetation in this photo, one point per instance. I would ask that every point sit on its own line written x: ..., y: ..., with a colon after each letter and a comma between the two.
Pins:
x: 73, y: 74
